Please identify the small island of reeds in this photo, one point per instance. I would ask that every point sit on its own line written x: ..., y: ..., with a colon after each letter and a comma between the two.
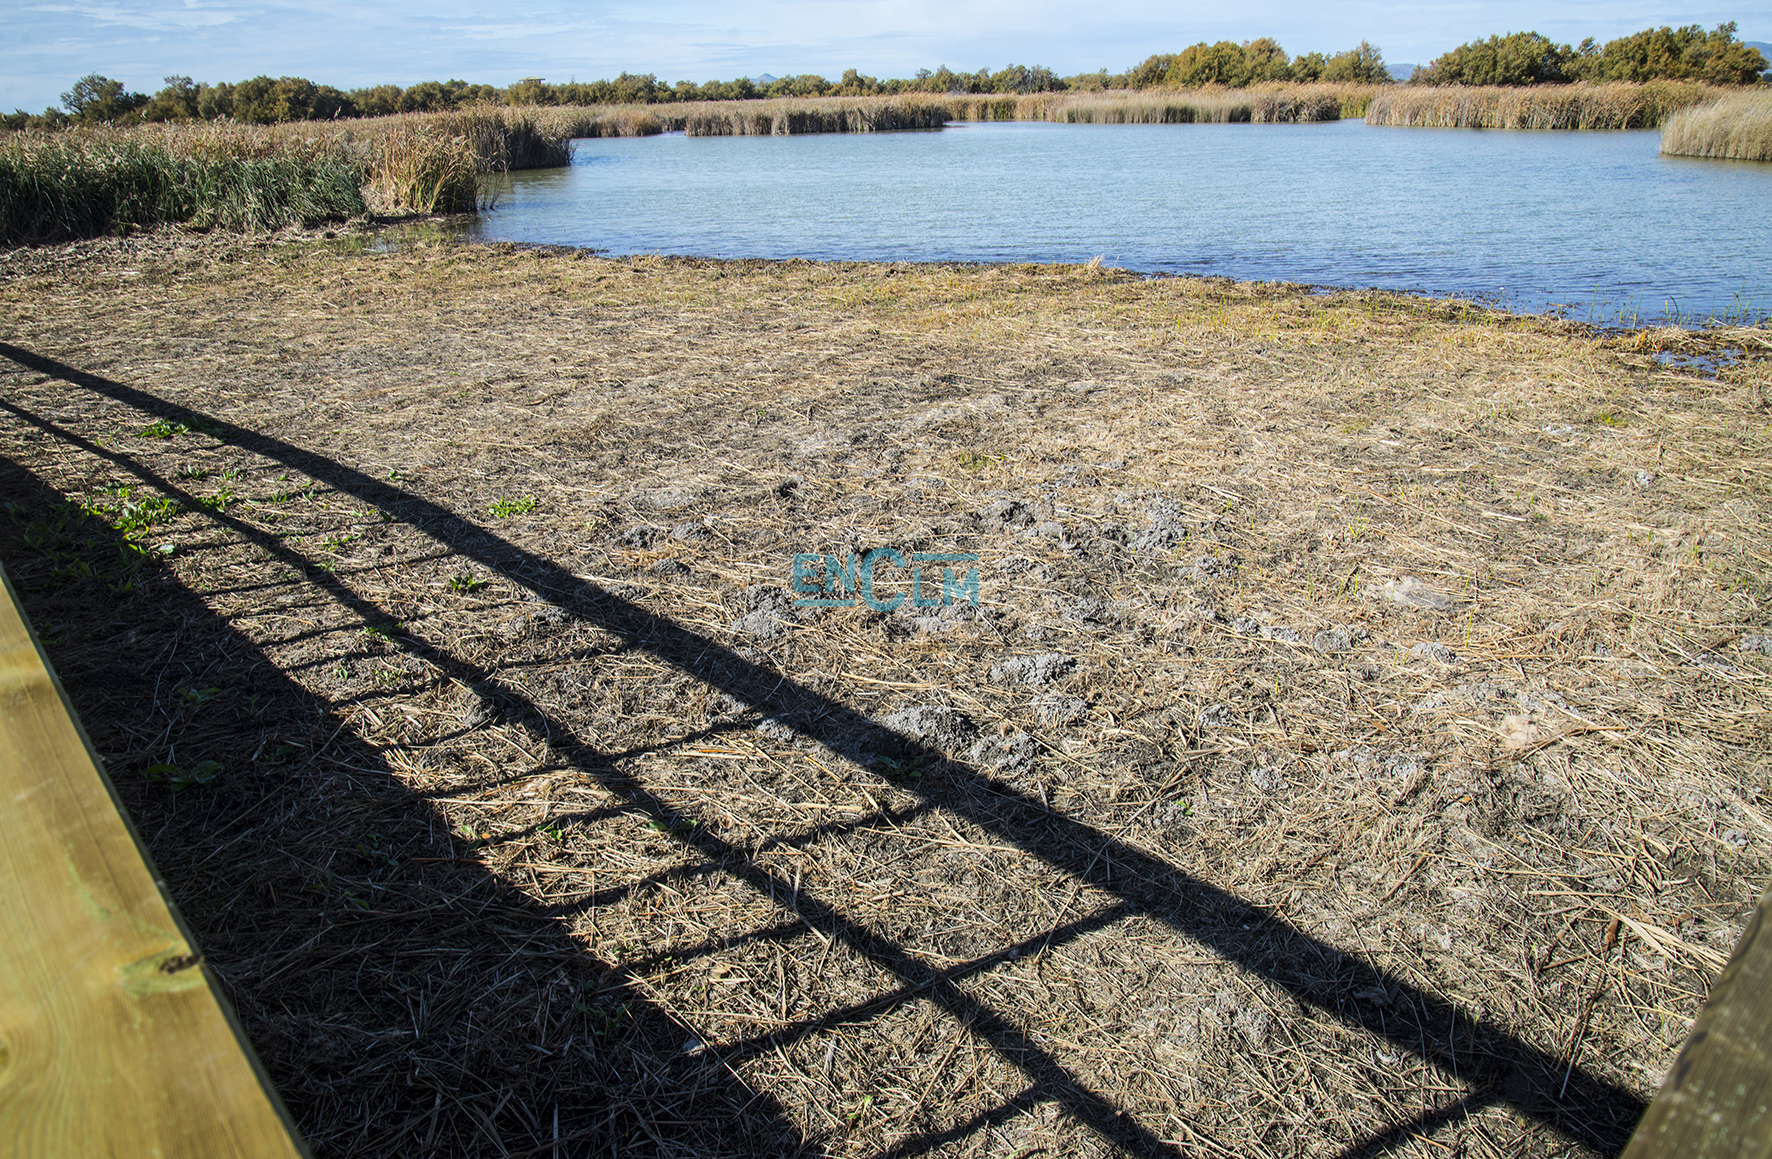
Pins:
x: 1737, y: 126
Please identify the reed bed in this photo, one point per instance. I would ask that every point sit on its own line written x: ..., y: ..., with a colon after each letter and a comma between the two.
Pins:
x: 425, y: 168
x: 1210, y: 106
x: 81, y: 187
x: 1576, y: 106
x: 565, y: 123
x: 1738, y: 127
x: 500, y: 139
x: 265, y: 177
x: 817, y: 115
x: 1265, y: 104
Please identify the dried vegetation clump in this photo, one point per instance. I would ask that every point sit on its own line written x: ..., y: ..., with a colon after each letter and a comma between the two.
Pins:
x: 203, y: 175
x: 1737, y: 127
x: 1260, y: 104
x: 814, y: 115
x: 1359, y: 746
x: 1217, y: 106
x: 1616, y: 105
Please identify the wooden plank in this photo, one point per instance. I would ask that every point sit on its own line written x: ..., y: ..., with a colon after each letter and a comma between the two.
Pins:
x: 114, y: 1040
x: 1717, y: 1101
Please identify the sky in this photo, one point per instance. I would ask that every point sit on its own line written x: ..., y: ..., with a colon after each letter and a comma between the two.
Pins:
x: 46, y: 45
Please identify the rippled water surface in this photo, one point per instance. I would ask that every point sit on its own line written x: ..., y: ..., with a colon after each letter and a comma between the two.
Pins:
x: 1596, y: 224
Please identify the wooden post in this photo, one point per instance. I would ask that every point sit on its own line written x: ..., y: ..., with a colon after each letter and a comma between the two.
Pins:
x: 114, y: 1040
x: 1717, y: 1101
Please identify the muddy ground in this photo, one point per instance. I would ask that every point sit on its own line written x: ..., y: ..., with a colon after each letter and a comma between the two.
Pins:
x: 1359, y: 744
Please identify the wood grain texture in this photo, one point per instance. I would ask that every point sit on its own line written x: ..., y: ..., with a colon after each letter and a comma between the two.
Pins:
x: 1717, y: 1100
x: 113, y: 1038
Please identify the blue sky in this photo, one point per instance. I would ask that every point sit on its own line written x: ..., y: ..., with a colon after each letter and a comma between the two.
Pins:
x: 45, y: 45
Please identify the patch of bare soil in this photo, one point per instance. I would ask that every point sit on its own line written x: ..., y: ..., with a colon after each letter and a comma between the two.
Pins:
x: 1359, y: 744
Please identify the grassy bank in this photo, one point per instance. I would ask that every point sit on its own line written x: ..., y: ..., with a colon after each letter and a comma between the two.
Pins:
x: 1737, y: 127
x: 1368, y: 697
x: 1574, y: 106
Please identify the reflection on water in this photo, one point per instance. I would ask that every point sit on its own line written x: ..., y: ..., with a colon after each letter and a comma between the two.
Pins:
x: 1597, y: 226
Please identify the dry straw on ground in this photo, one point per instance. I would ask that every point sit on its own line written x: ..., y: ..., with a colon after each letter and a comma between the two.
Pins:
x: 1360, y: 746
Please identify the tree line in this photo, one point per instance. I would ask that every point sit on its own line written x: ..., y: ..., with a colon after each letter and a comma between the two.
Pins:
x: 1526, y: 58
x: 1521, y: 58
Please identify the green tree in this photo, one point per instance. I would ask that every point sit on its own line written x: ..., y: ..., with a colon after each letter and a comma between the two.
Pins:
x: 531, y: 90
x: 1307, y: 67
x: 427, y: 97
x: 1519, y: 58
x: 1266, y: 60
x: 1688, y: 53
x: 1360, y: 65
x: 96, y: 98
x: 1018, y: 78
x: 180, y: 100
x: 379, y: 101
x: 1209, y: 64
x: 803, y: 85
x: 1151, y: 71
x: 853, y: 84
x: 216, y: 101
x: 639, y: 88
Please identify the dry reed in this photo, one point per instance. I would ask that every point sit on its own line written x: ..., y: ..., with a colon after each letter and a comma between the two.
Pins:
x: 571, y: 122
x: 816, y: 115
x: 1404, y: 696
x: 1214, y: 106
x: 1258, y: 104
x: 105, y: 180
x: 424, y: 168
x: 1738, y: 127
x: 1577, y: 106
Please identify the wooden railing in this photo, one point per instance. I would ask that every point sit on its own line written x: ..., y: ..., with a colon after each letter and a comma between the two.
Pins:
x: 114, y: 1039
x: 1717, y: 1101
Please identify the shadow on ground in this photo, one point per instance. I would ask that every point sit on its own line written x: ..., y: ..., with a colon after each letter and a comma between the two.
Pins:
x: 373, y: 936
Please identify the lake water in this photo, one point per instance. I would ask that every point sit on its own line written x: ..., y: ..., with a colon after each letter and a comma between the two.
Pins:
x: 1598, y: 225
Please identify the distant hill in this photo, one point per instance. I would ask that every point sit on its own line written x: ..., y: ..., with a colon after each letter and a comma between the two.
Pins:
x: 764, y: 81
x: 1401, y: 72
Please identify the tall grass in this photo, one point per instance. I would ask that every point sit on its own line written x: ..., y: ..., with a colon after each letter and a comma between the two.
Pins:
x: 71, y: 187
x: 1258, y: 104
x: 1287, y: 104
x: 423, y: 168
x: 564, y: 123
x: 816, y: 115
x: 82, y: 183
x: 1618, y: 105
x: 1738, y: 127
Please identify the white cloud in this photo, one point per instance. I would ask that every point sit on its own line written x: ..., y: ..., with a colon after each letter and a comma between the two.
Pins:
x: 150, y: 18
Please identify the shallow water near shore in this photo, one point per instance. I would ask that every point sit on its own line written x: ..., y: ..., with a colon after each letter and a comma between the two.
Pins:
x: 1597, y: 226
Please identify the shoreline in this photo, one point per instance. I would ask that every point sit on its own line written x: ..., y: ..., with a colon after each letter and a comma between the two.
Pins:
x: 1346, y: 668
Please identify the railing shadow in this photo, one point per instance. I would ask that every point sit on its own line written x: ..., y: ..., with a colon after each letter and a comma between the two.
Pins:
x: 353, y: 950
x: 1571, y: 1101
